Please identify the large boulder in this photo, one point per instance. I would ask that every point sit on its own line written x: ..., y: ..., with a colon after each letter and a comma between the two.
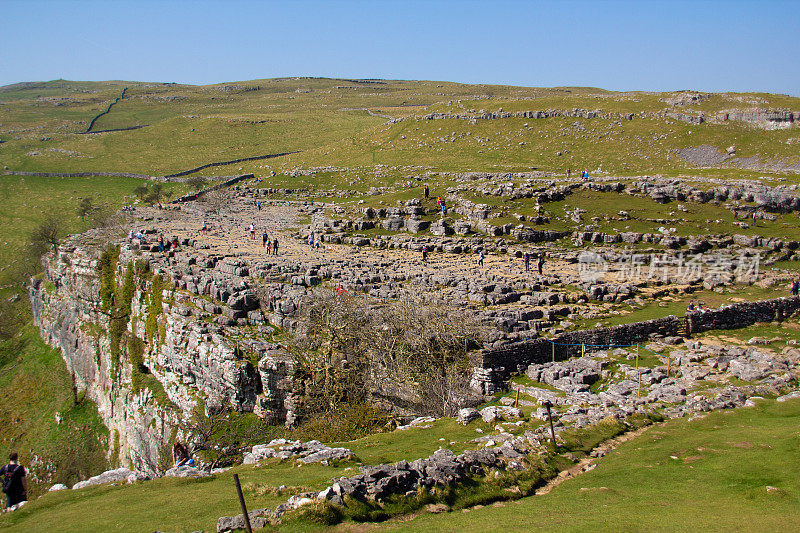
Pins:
x: 467, y: 415
x: 185, y: 471
x: 118, y: 475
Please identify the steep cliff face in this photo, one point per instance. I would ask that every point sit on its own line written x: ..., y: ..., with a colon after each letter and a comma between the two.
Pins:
x: 142, y: 348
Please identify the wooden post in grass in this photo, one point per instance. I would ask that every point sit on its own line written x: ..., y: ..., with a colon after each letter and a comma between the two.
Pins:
x: 554, y: 351
x: 516, y: 400
x: 241, y: 502
x: 466, y: 345
x: 583, y: 349
x: 547, y: 406
x: 638, y: 373
x: 669, y: 361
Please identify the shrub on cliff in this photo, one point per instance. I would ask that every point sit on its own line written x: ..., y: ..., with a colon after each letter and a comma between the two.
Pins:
x: 410, y: 352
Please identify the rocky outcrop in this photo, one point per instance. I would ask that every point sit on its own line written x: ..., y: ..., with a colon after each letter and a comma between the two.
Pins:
x: 120, y: 475
x: 305, y: 452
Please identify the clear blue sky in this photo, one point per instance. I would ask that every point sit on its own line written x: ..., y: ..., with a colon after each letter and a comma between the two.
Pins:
x: 647, y: 44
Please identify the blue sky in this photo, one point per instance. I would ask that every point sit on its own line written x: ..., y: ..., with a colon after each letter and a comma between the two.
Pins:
x: 620, y: 45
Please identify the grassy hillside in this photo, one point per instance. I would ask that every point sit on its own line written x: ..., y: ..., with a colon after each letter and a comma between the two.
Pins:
x: 60, y: 434
x: 27, y: 201
x: 342, y: 122
x: 710, y: 474
x: 732, y: 470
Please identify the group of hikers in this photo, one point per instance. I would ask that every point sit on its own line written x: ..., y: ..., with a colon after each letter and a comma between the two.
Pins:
x: 163, y: 245
x: 696, y: 306
x: 313, y: 242
x: 526, y: 258
x: 270, y: 243
x: 584, y: 174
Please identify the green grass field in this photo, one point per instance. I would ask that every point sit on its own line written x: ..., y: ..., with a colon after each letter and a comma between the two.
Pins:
x: 188, y: 505
x: 35, y: 393
x: 329, y: 121
x: 710, y: 474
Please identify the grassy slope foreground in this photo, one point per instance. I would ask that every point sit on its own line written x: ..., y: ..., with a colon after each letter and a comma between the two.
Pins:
x: 730, y: 471
x: 707, y: 474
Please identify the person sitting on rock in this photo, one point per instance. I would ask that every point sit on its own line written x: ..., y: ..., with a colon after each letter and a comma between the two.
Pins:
x: 181, y: 455
x: 14, y: 483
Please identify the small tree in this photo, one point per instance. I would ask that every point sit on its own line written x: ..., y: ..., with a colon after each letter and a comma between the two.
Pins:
x: 150, y: 195
x: 45, y: 236
x: 141, y: 191
x: 220, y: 435
x: 85, y: 207
x: 411, y: 350
x: 215, y: 201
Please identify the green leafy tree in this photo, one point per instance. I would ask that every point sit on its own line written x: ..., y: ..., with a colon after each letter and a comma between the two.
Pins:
x: 45, y: 236
x: 85, y: 208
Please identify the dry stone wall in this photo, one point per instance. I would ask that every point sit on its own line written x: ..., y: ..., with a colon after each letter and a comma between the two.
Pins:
x: 505, y: 358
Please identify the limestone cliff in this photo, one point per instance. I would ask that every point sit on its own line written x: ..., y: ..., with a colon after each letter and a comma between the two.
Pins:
x: 143, y: 349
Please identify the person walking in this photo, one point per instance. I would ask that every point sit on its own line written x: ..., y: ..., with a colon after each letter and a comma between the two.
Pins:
x: 424, y: 253
x: 264, y: 239
x: 275, y: 246
x: 480, y: 257
x: 540, y: 263
x: 15, y: 486
x: 795, y: 288
x: 252, y: 231
x: 526, y: 257
x: 427, y: 192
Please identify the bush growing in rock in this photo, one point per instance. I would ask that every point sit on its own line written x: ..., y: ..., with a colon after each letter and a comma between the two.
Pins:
x: 220, y: 436
x: 354, y: 348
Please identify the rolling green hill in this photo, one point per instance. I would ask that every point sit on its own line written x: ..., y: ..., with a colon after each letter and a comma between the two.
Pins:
x: 343, y: 123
